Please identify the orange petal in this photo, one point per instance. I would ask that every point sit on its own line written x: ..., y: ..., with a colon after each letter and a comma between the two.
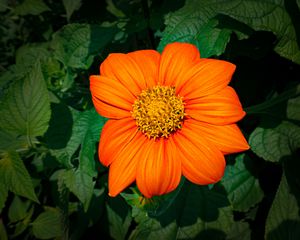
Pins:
x: 208, y: 76
x: 176, y: 59
x: 221, y: 108
x: 123, y: 68
x: 115, y: 135
x: 111, y: 99
x: 122, y: 171
x: 228, y: 138
x: 148, y: 62
x: 202, y: 163
x: 159, y: 169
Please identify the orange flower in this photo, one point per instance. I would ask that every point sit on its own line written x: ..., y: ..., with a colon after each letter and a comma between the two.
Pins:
x: 170, y: 114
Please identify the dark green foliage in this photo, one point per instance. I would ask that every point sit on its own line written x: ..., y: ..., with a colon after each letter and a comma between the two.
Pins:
x: 52, y: 185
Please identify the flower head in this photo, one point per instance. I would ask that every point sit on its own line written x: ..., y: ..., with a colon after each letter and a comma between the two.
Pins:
x: 171, y: 114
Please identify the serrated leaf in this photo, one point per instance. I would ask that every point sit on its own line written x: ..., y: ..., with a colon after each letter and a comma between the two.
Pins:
x: 3, y: 234
x: 275, y: 142
x: 80, y: 184
x: 47, y: 225
x: 197, y: 213
x: 27, y: 55
x: 15, y: 176
x: 186, y: 24
x: 12, y: 141
x: 71, y: 6
x: 26, y: 108
x: 241, y: 186
x: 293, y: 109
x: 283, y: 221
x: 86, y: 131
x: 3, y: 195
x: 119, y: 218
x: 33, y: 7
x: 76, y: 44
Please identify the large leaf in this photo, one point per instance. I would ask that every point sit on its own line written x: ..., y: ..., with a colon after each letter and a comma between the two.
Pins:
x: 15, y: 176
x: 47, y: 225
x: 26, y: 108
x: 275, y: 142
x: 283, y: 221
x: 189, y: 23
x: 18, y: 209
x: 241, y: 185
x: 76, y: 44
x: 197, y: 213
x: 239, y: 231
x: 34, y: 7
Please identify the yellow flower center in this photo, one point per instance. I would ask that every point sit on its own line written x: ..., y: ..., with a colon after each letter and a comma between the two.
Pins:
x: 158, y: 112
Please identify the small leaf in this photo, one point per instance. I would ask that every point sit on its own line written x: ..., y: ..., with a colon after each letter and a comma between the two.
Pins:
x: 33, y: 7
x: 76, y: 44
x: 283, y: 221
x: 71, y: 6
x: 239, y: 231
x: 18, y: 209
x: 241, y: 186
x: 15, y: 176
x: 274, y: 142
x: 26, y: 108
x: 81, y: 184
x: 47, y: 225
x: 119, y: 218
x: 212, y: 40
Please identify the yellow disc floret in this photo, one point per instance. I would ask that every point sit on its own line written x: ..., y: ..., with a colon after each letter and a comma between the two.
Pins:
x: 158, y: 111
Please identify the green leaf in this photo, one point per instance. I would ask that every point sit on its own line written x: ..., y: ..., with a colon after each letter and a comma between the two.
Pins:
x: 75, y: 45
x: 86, y: 131
x: 272, y: 143
x: 27, y: 55
x: 3, y: 8
x: 71, y: 6
x: 33, y: 7
x: 239, y: 231
x: 18, y: 209
x: 3, y: 234
x: 187, y: 24
x: 283, y: 221
x: 12, y: 141
x: 26, y: 108
x: 81, y: 184
x: 3, y: 195
x: 197, y: 213
x: 47, y: 225
x: 15, y: 176
x: 154, y: 206
x: 119, y: 218
x: 241, y: 185
x: 293, y: 109
x: 212, y: 40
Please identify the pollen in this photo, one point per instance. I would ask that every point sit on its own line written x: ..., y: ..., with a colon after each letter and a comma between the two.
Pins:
x: 158, y: 112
